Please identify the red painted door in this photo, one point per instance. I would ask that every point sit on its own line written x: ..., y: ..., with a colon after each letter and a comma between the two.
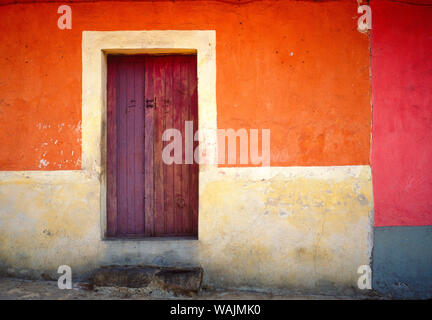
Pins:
x: 146, y: 197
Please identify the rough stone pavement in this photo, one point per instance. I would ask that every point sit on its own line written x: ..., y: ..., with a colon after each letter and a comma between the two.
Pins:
x: 19, y: 289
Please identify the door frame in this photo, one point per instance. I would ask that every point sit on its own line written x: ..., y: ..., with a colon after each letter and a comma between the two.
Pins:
x: 96, y: 45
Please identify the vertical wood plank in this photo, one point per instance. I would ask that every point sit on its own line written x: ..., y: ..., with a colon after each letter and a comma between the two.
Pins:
x: 130, y: 149
x: 139, y: 148
x: 121, y: 150
x: 159, y: 87
x: 148, y: 150
x: 169, y: 169
x: 185, y: 108
x: 177, y: 124
x: 111, y: 157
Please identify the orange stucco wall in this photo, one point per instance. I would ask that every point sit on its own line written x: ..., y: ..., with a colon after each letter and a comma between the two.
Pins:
x: 299, y: 68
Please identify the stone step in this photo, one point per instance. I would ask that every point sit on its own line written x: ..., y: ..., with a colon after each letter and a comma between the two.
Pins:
x: 147, y: 279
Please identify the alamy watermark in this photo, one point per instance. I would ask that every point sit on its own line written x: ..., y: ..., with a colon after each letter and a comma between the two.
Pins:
x: 364, y: 22
x: 249, y: 150
x: 65, y: 280
x: 65, y: 20
x: 365, y: 280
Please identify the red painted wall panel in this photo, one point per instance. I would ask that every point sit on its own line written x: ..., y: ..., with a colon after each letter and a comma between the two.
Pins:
x: 401, y: 45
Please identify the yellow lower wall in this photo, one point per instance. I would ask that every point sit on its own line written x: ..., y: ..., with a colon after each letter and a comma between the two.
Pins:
x: 287, y: 227
x: 282, y: 228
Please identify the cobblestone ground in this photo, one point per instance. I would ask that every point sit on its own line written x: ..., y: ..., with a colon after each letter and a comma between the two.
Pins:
x: 18, y: 289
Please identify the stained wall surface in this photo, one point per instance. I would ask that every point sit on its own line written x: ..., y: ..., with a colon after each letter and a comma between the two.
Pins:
x: 401, y: 148
x: 298, y: 68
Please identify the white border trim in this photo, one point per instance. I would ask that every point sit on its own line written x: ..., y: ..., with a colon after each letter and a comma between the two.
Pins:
x: 96, y: 45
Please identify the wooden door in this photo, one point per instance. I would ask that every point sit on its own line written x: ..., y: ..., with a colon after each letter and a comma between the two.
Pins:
x: 146, y: 197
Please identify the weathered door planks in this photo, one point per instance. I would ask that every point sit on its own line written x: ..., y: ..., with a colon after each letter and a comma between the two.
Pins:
x: 146, y: 197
